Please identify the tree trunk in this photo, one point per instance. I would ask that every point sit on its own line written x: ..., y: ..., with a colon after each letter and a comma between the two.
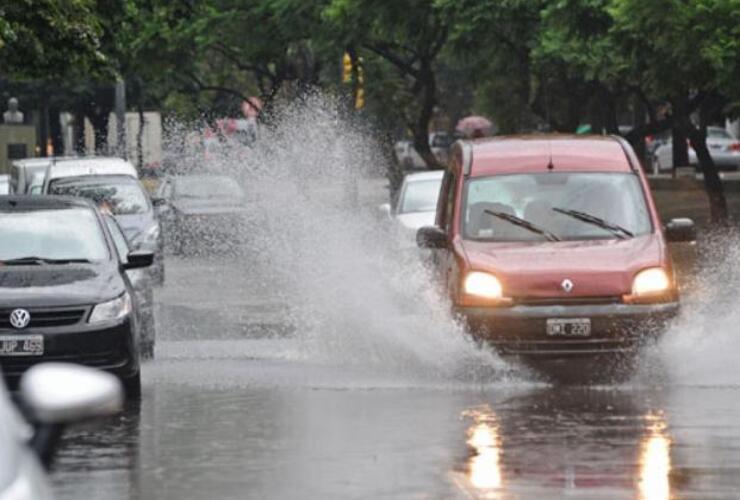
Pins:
x: 55, y: 131
x: 712, y: 182
x: 679, y: 146
x: 78, y: 132
x: 638, y: 120
x: 140, y: 137
x: 421, y: 127
x: 44, y: 127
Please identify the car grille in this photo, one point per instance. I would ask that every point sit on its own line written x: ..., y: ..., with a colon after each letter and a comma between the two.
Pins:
x: 46, y: 318
x: 566, y: 301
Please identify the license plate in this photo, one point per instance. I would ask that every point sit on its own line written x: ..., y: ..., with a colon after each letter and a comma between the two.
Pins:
x: 571, y: 327
x: 21, y: 345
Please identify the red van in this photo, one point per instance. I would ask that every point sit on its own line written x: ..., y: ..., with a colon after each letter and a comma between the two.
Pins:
x: 551, y: 245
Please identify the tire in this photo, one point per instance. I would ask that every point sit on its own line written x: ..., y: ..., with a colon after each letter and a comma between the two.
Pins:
x: 132, y: 386
x: 148, y: 337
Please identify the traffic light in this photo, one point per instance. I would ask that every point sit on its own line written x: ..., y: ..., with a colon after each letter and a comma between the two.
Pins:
x: 360, y: 89
x: 346, y: 68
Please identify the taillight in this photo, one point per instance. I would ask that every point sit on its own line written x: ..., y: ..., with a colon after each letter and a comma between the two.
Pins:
x: 735, y: 146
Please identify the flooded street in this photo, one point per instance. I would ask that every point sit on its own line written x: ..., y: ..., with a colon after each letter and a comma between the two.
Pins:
x: 233, y: 407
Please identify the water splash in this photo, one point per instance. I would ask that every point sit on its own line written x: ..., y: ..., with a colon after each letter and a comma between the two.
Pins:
x: 313, y: 179
x: 701, y: 348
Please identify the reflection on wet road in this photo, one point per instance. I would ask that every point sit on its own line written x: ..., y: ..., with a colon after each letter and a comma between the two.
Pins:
x: 233, y: 412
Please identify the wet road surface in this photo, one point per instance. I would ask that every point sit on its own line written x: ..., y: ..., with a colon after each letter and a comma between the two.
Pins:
x: 232, y: 409
x: 314, y: 369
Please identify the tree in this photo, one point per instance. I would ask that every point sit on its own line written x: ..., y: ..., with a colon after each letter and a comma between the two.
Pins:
x: 45, y: 38
x: 408, y: 35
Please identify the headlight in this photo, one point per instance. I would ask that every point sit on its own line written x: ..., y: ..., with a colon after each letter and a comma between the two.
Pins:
x: 111, y: 310
x: 482, y: 285
x: 149, y: 237
x: 650, y: 282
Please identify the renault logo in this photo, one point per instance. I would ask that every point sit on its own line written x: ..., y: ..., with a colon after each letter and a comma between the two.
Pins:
x: 20, y: 318
x: 567, y: 285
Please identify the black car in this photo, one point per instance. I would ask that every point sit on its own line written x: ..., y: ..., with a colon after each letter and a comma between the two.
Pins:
x: 201, y: 211
x: 128, y: 202
x: 64, y: 293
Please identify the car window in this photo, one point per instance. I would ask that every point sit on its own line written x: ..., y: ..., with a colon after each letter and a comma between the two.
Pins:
x: 447, y: 198
x: 119, y: 239
x: 541, y: 199
x: 718, y: 133
x: 420, y: 196
x: 119, y: 196
x: 64, y: 234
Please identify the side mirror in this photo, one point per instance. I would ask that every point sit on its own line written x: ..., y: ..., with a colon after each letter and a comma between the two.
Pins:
x: 431, y: 237
x: 138, y: 259
x: 385, y: 209
x: 62, y: 393
x: 56, y: 394
x: 680, y: 230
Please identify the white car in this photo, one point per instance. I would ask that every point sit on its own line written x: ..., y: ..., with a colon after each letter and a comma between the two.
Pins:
x: 723, y: 147
x: 416, y: 205
x: 53, y: 395
x: 87, y: 166
x: 410, y: 159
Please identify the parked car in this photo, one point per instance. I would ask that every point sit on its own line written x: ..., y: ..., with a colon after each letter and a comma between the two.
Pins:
x: 22, y: 172
x: 127, y: 200
x: 416, y: 205
x: 409, y: 158
x: 723, y: 148
x: 89, y: 165
x: 64, y: 292
x: 201, y: 211
x: 53, y: 395
x: 552, y: 246
x: 4, y: 184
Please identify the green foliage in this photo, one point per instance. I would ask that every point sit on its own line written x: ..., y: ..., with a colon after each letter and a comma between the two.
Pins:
x: 45, y: 38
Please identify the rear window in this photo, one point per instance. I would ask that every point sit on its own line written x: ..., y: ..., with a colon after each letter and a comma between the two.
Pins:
x: 119, y: 195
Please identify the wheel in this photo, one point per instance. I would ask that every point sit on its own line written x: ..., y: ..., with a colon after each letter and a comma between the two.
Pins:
x: 148, y: 336
x: 132, y: 386
x: 158, y: 269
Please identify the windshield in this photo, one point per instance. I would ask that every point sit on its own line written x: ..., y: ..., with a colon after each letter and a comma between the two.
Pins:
x: 570, y: 206
x: 420, y: 196
x: 207, y: 186
x: 119, y: 196
x: 67, y: 234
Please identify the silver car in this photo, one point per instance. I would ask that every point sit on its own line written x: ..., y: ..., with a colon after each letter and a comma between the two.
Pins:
x: 723, y: 147
x: 416, y: 205
x: 54, y: 394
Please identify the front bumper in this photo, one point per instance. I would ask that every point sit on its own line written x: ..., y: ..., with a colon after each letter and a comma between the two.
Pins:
x: 110, y: 347
x: 522, y: 329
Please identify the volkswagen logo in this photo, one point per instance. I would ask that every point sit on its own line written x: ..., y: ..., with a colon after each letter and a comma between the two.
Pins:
x: 19, y: 318
x: 567, y: 285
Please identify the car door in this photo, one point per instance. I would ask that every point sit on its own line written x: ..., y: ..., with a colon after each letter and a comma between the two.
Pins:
x: 443, y: 259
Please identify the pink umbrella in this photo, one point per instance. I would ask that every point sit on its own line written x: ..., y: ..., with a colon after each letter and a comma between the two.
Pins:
x: 471, y: 124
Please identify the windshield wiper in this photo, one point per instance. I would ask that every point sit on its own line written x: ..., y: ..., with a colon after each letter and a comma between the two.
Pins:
x: 513, y: 219
x: 615, y: 229
x: 37, y: 261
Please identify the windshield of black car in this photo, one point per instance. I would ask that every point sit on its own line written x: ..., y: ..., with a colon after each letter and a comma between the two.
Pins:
x: 616, y: 198
x: 207, y: 187
x: 64, y: 234
x: 420, y: 196
x: 119, y: 195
